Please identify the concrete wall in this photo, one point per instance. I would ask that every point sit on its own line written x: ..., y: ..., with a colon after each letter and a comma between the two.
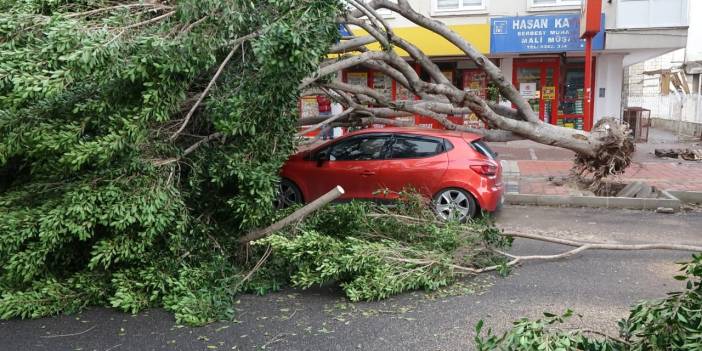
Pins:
x: 694, y: 46
x: 653, y: 11
x: 609, y: 76
x: 674, y: 108
x: 494, y: 8
x: 678, y: 127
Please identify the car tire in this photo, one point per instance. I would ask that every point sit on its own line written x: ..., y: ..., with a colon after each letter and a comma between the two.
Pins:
x: 454, y: 204
x: 289, y: 194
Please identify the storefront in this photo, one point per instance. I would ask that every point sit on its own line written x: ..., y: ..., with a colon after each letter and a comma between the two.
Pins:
x: 459, y: 70
x: 542, y: 55
x: 545, y: 57
x: 554, y: 88
x: 455, y: 66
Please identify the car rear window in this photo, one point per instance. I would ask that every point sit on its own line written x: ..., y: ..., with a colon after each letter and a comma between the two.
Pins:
x: 481, y: 147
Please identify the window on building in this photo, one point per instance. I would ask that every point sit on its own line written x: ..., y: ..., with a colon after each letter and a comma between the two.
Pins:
x: 458, y: 5
x: 551, y: 3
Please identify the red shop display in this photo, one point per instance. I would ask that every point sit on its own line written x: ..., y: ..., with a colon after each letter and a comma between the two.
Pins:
x: 323, y: 105
x: 475, y: 80
x: 554, y: 89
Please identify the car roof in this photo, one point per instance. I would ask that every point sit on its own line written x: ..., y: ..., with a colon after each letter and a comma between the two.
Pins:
x: 419, y: 131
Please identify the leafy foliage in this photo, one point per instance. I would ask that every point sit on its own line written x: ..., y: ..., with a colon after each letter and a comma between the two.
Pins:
x: 375, y: 253
x: 96, y: 182
x: 671, y: 323
x: 99, y: 204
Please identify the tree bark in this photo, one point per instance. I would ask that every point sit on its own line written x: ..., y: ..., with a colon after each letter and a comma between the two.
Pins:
x: 295, y: 216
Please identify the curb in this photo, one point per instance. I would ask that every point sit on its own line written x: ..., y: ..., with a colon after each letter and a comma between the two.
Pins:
x: 690, y: 197
x: 668, y: 201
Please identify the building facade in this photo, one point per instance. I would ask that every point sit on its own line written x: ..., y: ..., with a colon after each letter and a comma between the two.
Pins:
x: 536, y: 44
x: 670, y: 85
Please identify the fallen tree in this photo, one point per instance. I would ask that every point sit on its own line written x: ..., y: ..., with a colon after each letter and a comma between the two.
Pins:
x: 603, y: 152
x: 140, y: 141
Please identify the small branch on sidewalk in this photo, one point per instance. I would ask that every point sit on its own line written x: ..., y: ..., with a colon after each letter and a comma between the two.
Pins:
x: 579, y: 247
x: 73, y: 334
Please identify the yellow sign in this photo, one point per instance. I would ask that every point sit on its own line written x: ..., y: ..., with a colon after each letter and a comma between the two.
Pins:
x: 549, y: 93
x: 433, y: 44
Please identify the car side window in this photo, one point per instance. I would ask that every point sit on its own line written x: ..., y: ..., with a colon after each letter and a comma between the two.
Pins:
x: 409, y: 147
x: 361, y: 148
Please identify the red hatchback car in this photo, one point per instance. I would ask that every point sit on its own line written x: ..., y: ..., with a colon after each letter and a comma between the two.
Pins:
x: 458, y: 171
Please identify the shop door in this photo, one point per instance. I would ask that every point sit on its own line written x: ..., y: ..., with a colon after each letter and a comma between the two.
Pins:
x: 537, y: 82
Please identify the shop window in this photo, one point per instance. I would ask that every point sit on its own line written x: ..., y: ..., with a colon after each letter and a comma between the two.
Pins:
x: 536, y: 4
x: 452, y: 6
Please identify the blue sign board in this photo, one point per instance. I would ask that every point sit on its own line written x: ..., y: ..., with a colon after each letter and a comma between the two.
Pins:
x: 344, y: 31
x: 535, y: 34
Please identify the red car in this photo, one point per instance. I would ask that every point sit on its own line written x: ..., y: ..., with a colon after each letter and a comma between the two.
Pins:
x: 458, y: 171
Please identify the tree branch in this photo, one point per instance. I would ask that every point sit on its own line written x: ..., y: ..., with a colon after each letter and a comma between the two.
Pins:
x: 327, y: 121
x: 495, y: 74
x: 118, y: 7
x: 353, y: 44
x: 237, y: 43
x: 153, y: 20
x: 295, y: 216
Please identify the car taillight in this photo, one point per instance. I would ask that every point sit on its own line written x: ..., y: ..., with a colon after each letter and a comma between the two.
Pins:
x: 486, y: 170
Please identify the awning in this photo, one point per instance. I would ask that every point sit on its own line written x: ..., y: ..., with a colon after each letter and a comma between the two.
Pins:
x: 433, y: 44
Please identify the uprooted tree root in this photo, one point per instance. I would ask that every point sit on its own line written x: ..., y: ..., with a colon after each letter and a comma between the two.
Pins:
x: 611, y: 158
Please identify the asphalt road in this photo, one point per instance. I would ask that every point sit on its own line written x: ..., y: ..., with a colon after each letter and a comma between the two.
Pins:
x: 599, y: 285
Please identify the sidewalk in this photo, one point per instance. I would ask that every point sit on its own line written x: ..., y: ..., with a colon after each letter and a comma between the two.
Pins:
x: 531, y: 168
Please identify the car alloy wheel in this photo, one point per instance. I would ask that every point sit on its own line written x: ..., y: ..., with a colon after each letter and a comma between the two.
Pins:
x: 454, y: 205
x: 288, y: 194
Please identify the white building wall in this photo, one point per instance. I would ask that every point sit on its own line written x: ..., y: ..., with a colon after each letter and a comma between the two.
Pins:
x: 506, y: 67
x: 694, y: 45
x: 674, y: 107
x: 608, y: 76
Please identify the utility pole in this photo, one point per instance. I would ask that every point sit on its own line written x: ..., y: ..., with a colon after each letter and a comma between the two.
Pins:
x: 590, y: 25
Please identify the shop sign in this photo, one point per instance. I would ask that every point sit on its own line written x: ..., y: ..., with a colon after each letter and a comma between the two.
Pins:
x: 549, y: 33
x: 549, y: 93
x: 527, y: 90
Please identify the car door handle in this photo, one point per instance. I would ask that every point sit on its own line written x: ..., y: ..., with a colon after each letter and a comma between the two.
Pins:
x: 367, y: 173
